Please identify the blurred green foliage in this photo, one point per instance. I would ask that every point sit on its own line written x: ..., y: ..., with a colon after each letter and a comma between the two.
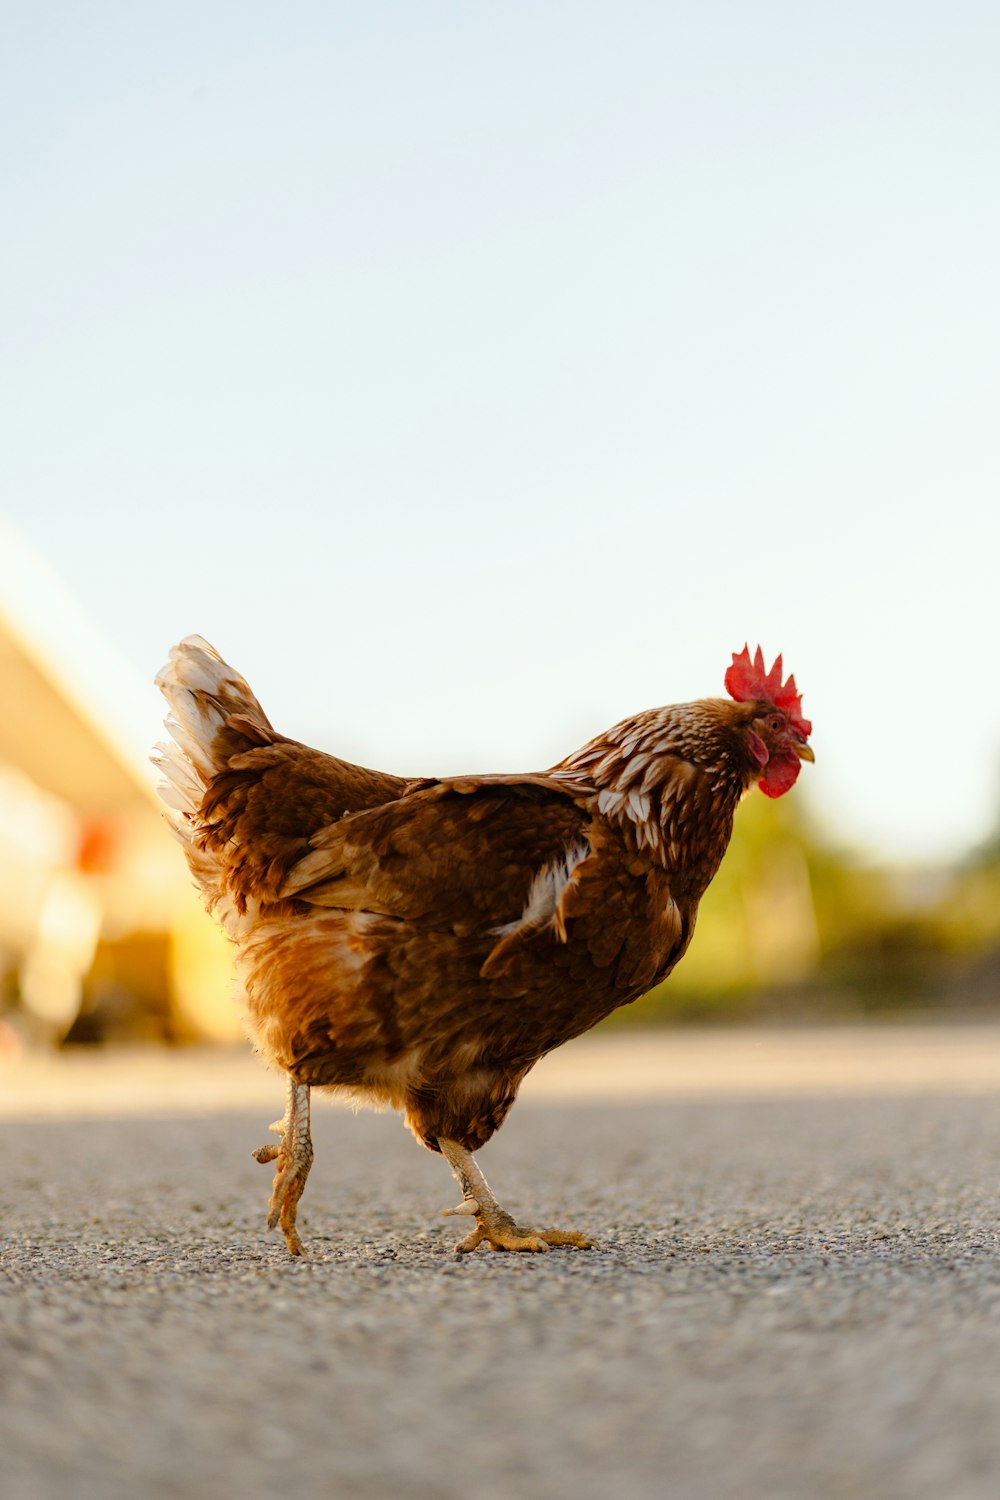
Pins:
x: 793, y: 928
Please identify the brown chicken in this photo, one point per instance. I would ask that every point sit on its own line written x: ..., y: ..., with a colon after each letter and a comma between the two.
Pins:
x: 422, y: 943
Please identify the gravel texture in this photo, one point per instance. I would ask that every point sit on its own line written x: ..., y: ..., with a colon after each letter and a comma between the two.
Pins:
x: 792, y: 1297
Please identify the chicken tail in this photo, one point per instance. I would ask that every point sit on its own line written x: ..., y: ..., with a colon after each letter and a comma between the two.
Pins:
x: 213, y: 716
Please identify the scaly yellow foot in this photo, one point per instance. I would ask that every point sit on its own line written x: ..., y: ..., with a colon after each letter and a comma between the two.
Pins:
x: 497, y: 1229
x: 294, y: 1157
x: 494, y: 1225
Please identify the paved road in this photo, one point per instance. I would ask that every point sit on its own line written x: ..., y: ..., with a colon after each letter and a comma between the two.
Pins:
x: 793, y: 1297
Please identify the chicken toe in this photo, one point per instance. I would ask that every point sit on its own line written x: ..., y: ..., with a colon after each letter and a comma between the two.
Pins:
x: 293, y: 1155
x: 494, y: 1225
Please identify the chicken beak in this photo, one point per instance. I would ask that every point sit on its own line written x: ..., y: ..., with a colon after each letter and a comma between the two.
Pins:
x: 803, y: 751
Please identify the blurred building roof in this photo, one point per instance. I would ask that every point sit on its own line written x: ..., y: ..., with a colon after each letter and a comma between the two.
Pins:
x: 72, y: 708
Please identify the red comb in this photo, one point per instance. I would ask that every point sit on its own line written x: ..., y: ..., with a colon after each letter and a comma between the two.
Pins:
x: 748, y: 679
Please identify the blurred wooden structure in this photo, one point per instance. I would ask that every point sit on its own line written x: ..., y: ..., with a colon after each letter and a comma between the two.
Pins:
x: 101, y: 933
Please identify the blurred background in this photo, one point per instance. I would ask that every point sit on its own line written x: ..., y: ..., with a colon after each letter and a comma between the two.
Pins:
x: 472, y: 376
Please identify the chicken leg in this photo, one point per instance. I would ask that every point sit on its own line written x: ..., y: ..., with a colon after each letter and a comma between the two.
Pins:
x: 294, y: 1155
x: 493, y: 1223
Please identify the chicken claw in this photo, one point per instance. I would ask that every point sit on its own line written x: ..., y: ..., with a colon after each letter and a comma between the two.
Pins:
x: 494, y: 1225
x: 294, y: 1156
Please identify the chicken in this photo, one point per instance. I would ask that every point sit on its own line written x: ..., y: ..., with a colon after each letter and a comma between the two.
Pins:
x: 422, y: 943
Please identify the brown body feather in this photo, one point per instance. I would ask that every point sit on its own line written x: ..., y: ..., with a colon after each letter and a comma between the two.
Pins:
x: 424, y: 943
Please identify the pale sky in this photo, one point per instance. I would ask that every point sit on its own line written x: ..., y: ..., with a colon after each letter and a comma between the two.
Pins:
x: 473, y: 375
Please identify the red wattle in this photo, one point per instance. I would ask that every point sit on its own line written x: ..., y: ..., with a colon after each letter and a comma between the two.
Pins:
x: 780, y: 774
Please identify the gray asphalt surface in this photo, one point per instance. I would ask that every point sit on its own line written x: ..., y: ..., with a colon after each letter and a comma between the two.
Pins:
x: 792, y: 1298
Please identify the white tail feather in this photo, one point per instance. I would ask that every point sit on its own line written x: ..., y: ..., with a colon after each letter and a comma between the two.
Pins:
x: 202, y: 691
